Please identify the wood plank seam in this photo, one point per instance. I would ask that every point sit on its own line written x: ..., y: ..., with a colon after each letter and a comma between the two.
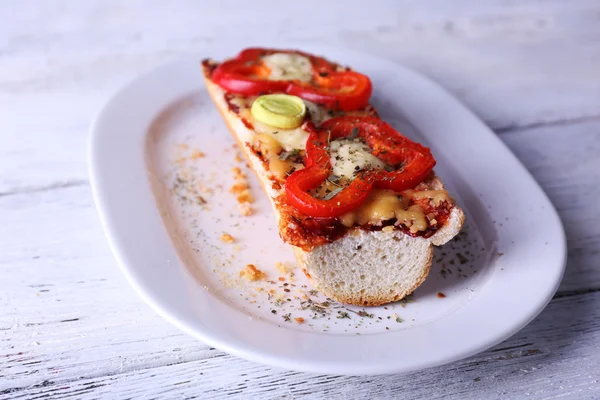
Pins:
x: 514, y: 128
x: 570, y: 293
x: 52, y: 186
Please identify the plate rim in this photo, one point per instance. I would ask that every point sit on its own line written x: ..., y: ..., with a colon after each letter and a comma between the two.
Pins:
x: 107, y: 217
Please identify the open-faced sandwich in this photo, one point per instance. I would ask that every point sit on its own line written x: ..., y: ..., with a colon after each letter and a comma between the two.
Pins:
x: 358, y: 201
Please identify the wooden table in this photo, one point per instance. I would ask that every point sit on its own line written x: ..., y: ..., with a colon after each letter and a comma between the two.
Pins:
x: 70, y: 325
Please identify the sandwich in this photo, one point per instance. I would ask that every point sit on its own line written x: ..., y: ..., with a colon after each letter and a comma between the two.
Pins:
x: 358, y: 201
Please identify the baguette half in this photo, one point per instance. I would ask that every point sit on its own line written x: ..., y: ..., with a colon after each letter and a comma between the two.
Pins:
x: 365, y: 268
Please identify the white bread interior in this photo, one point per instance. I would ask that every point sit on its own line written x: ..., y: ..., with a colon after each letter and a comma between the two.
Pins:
x: 362, y: 268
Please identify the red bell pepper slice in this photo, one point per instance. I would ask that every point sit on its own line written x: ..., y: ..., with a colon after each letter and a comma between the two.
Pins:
x: 317, y: 170
x: 346, y: 91
x: 246, y: 78
x: 248, y: 75
x: 410, y: 164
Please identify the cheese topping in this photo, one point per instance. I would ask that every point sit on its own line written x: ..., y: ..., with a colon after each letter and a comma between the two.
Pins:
x: 318, y: 114
x: 270, y: 148
x: 348, y: 157
x: 289, y: 139
x: 413, y: 218
x: 285, y: 66
x: 240, y: 101
x: 436, y: 196
x: 383, y: 205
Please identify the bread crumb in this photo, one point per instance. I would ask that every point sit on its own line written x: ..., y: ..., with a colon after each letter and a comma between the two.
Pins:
x: 441, y: 295
x: 241, y: 189
x: 204, y: 189
x: 281, y: 279
x: 227, y: 238
x: 251, y: 273
x: 245, y: 209
x: 238, y: 158
x: 286, y: 268
x: 281, y: 267
x: 299, y: 320
x: 245, y: 197
x: 196, y: 154
x: 238, y: 187
x: 237, y: 172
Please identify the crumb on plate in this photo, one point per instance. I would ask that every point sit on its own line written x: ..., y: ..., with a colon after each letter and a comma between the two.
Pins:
x: 241, y: 188
x: 196, y: 154
x: 245, y: 209
x: 281, y: 267
x: 245, y: 197
x: 285, y: 268
x: 251, y: 273
x: 227, y: 238
x: 237, y: 173
x: 205, y: 189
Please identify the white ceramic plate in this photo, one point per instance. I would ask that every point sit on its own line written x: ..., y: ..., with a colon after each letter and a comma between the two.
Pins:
x: 164, y: 208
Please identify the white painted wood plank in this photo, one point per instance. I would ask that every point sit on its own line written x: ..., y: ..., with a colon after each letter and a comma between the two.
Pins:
x: 547, y: 360
x: 514, y: 63
x: 565, y: 160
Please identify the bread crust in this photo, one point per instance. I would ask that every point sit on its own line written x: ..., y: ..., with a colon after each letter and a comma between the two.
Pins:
x: 367, y: 298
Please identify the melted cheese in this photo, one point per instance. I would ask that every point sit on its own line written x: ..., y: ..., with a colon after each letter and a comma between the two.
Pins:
x: 285, y: 66
x: 436, y: 196
x: 270, y: 149
x: 324, y: 190
x: 268, y: 146
x: 317, y: 113
x: 383, y: 205
x: 349, y: 157
x: 289, y: 139
x: 241, y: 102
x: 413, y: 218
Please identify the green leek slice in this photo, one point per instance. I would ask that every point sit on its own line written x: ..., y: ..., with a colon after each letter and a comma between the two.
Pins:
x: 279, y: 110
